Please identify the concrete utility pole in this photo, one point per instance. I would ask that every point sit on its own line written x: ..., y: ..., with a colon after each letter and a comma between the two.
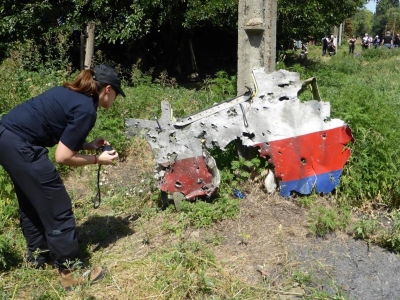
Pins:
x: 337, y: 32
x: 256, y: 39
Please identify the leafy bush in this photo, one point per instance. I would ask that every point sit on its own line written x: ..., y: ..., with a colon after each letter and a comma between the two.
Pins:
x: 8, y: 256
x: 323, y: 220
x: 365, y: 228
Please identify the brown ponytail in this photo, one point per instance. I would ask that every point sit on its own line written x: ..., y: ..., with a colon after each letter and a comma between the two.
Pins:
x: 85, y: 84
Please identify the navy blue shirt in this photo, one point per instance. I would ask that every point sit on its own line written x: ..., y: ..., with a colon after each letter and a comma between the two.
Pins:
x: 58, y: 114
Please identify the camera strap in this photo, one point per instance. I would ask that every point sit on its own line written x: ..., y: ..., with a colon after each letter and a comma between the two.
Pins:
x: 97, y: 199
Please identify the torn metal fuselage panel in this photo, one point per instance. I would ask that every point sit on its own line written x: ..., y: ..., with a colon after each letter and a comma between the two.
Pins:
x: 183, y: 164
x: 306, y: 147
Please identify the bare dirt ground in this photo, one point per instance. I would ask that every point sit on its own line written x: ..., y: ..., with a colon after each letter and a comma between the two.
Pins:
x: 269, y: 242
x: 278, y: 244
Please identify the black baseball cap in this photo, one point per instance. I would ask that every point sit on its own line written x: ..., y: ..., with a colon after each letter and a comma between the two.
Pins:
x: 108, y: 75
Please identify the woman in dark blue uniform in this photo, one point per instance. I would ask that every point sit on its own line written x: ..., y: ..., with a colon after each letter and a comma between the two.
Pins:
x: 61, y: 116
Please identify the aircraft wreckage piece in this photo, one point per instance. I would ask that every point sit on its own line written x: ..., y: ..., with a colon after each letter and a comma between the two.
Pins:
x: 306, y: 147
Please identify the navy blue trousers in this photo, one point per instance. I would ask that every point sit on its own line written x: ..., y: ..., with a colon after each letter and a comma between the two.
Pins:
x: 45, y: 208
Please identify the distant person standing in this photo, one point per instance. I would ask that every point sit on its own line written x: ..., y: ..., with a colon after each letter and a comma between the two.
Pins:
x: 332, y: 46
x: 325, y: 44
x: 396, y: 41
x: 352, y: 44
x: 365, y: 41
x: 387, y: 41
x: 376, y: 41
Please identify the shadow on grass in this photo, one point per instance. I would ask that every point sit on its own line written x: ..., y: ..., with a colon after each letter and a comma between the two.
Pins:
x: 98, y: 232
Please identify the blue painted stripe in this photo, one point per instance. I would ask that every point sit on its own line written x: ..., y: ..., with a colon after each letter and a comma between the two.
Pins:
x: 325, y: 183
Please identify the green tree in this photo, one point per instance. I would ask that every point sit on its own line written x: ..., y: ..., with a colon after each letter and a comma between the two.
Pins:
x: 349, y: 29
x: 382, y: 6
x: 116, y: 20
x: 128, y: 21
x: 160, y: 29
x: 301, y: 19
x: 381, y: 20
x: 20, y: 19
x: 132, y: 26
x: 363, y: 21
x: 393, y: 19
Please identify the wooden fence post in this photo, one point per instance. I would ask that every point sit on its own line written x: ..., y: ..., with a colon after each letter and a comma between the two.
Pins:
x: 89, y: 45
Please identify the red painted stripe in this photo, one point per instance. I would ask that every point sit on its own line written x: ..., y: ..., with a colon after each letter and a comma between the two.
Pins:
x: 310, y: 154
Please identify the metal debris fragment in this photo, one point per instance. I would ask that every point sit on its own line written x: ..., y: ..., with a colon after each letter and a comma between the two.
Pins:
x: 306, y: 147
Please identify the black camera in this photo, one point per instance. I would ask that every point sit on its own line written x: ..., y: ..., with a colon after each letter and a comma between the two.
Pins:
x: 106, y: 148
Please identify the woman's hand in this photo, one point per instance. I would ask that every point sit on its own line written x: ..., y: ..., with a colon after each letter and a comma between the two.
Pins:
x: 66, y: 156
x: 96, y: 144
x: 107, y: 157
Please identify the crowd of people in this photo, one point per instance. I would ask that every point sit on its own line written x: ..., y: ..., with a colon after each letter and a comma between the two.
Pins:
x: 368, y: 42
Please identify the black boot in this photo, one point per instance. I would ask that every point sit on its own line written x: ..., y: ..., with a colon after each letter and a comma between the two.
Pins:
x: 39, y: 259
